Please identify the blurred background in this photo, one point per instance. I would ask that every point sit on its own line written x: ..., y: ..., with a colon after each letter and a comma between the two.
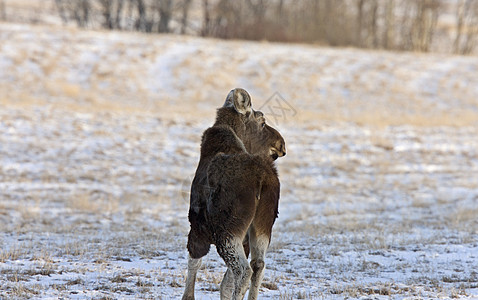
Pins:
x: 109, y: 52
x: 102, y: 107
x: 446, y: 26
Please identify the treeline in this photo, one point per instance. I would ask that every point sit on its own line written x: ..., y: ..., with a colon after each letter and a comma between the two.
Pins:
x: 139, y: 15
x: 410, y: 25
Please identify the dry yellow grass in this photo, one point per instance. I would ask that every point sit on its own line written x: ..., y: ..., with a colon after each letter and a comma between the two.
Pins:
x: 323, y: 85
x: 384, y: 119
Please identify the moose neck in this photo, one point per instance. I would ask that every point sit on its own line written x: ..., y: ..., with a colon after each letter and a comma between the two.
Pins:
x: 227, y: 116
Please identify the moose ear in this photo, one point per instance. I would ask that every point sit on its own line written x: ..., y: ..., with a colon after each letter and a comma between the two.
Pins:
x: 259, y: 116
x: 240, y: 100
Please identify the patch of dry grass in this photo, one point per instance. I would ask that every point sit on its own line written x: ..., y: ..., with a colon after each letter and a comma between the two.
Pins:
x: 464, y: 218
x: 383, y: 119
x: 12, y: 253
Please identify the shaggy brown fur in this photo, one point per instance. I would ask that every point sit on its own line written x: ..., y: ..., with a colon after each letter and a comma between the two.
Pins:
x: 235, y: 193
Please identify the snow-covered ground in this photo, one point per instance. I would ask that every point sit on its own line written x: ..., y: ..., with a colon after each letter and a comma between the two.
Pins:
x: 99, y: 139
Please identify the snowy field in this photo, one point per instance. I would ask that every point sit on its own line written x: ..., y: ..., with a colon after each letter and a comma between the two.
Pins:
x: 99, y: 140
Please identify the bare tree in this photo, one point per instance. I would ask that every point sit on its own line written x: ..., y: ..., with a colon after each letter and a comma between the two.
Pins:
x: 3, y: 10
x: 206, y: 22
x: 424, y: 24
x: 373, y: 23
x: 388, y: 33
x: 360, y: 15
x: 119, y: 9
x: 141, y: 22
x: 62, y: 10
x: 221, y: 19
x: 78, y: 10
x: 389, y: 24
x: 165, y: 14
x: 258, y: 10
x: 472, y: 32
x: 466, y: 26
x: 418, y: 24
x: 185, y: 12
x: 460, y: 16
x: 111, y: 11
x: 106, y: 6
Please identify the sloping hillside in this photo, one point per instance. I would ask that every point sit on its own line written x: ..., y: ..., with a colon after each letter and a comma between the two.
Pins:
x: 166, y: 73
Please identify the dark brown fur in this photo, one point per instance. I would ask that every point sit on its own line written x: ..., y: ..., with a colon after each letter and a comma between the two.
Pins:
x: 222, y: 139
x: 251, y: 186
x: 236, y: 186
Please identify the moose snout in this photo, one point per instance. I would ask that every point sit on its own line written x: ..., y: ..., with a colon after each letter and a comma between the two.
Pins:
x: 277, y: 152
x: 282, y: 151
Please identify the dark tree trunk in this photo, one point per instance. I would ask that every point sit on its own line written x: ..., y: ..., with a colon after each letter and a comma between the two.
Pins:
x: 165, y: 13
x: 206, y: 24
x: 184, y: 19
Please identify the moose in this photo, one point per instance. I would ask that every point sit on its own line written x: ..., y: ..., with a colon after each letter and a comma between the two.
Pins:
x: 235, y: 196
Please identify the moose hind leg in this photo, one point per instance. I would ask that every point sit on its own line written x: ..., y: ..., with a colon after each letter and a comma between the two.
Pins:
x: 232, y: 251
x: 193, y: 267
x: 259, y: 245
x: 227, y: 285
x: 197, y: 248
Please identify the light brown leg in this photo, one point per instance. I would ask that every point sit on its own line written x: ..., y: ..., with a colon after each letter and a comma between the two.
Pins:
x: 193, y: 267
x: 233, y: 254
x: 227, y: 285
x: 259, y: 245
